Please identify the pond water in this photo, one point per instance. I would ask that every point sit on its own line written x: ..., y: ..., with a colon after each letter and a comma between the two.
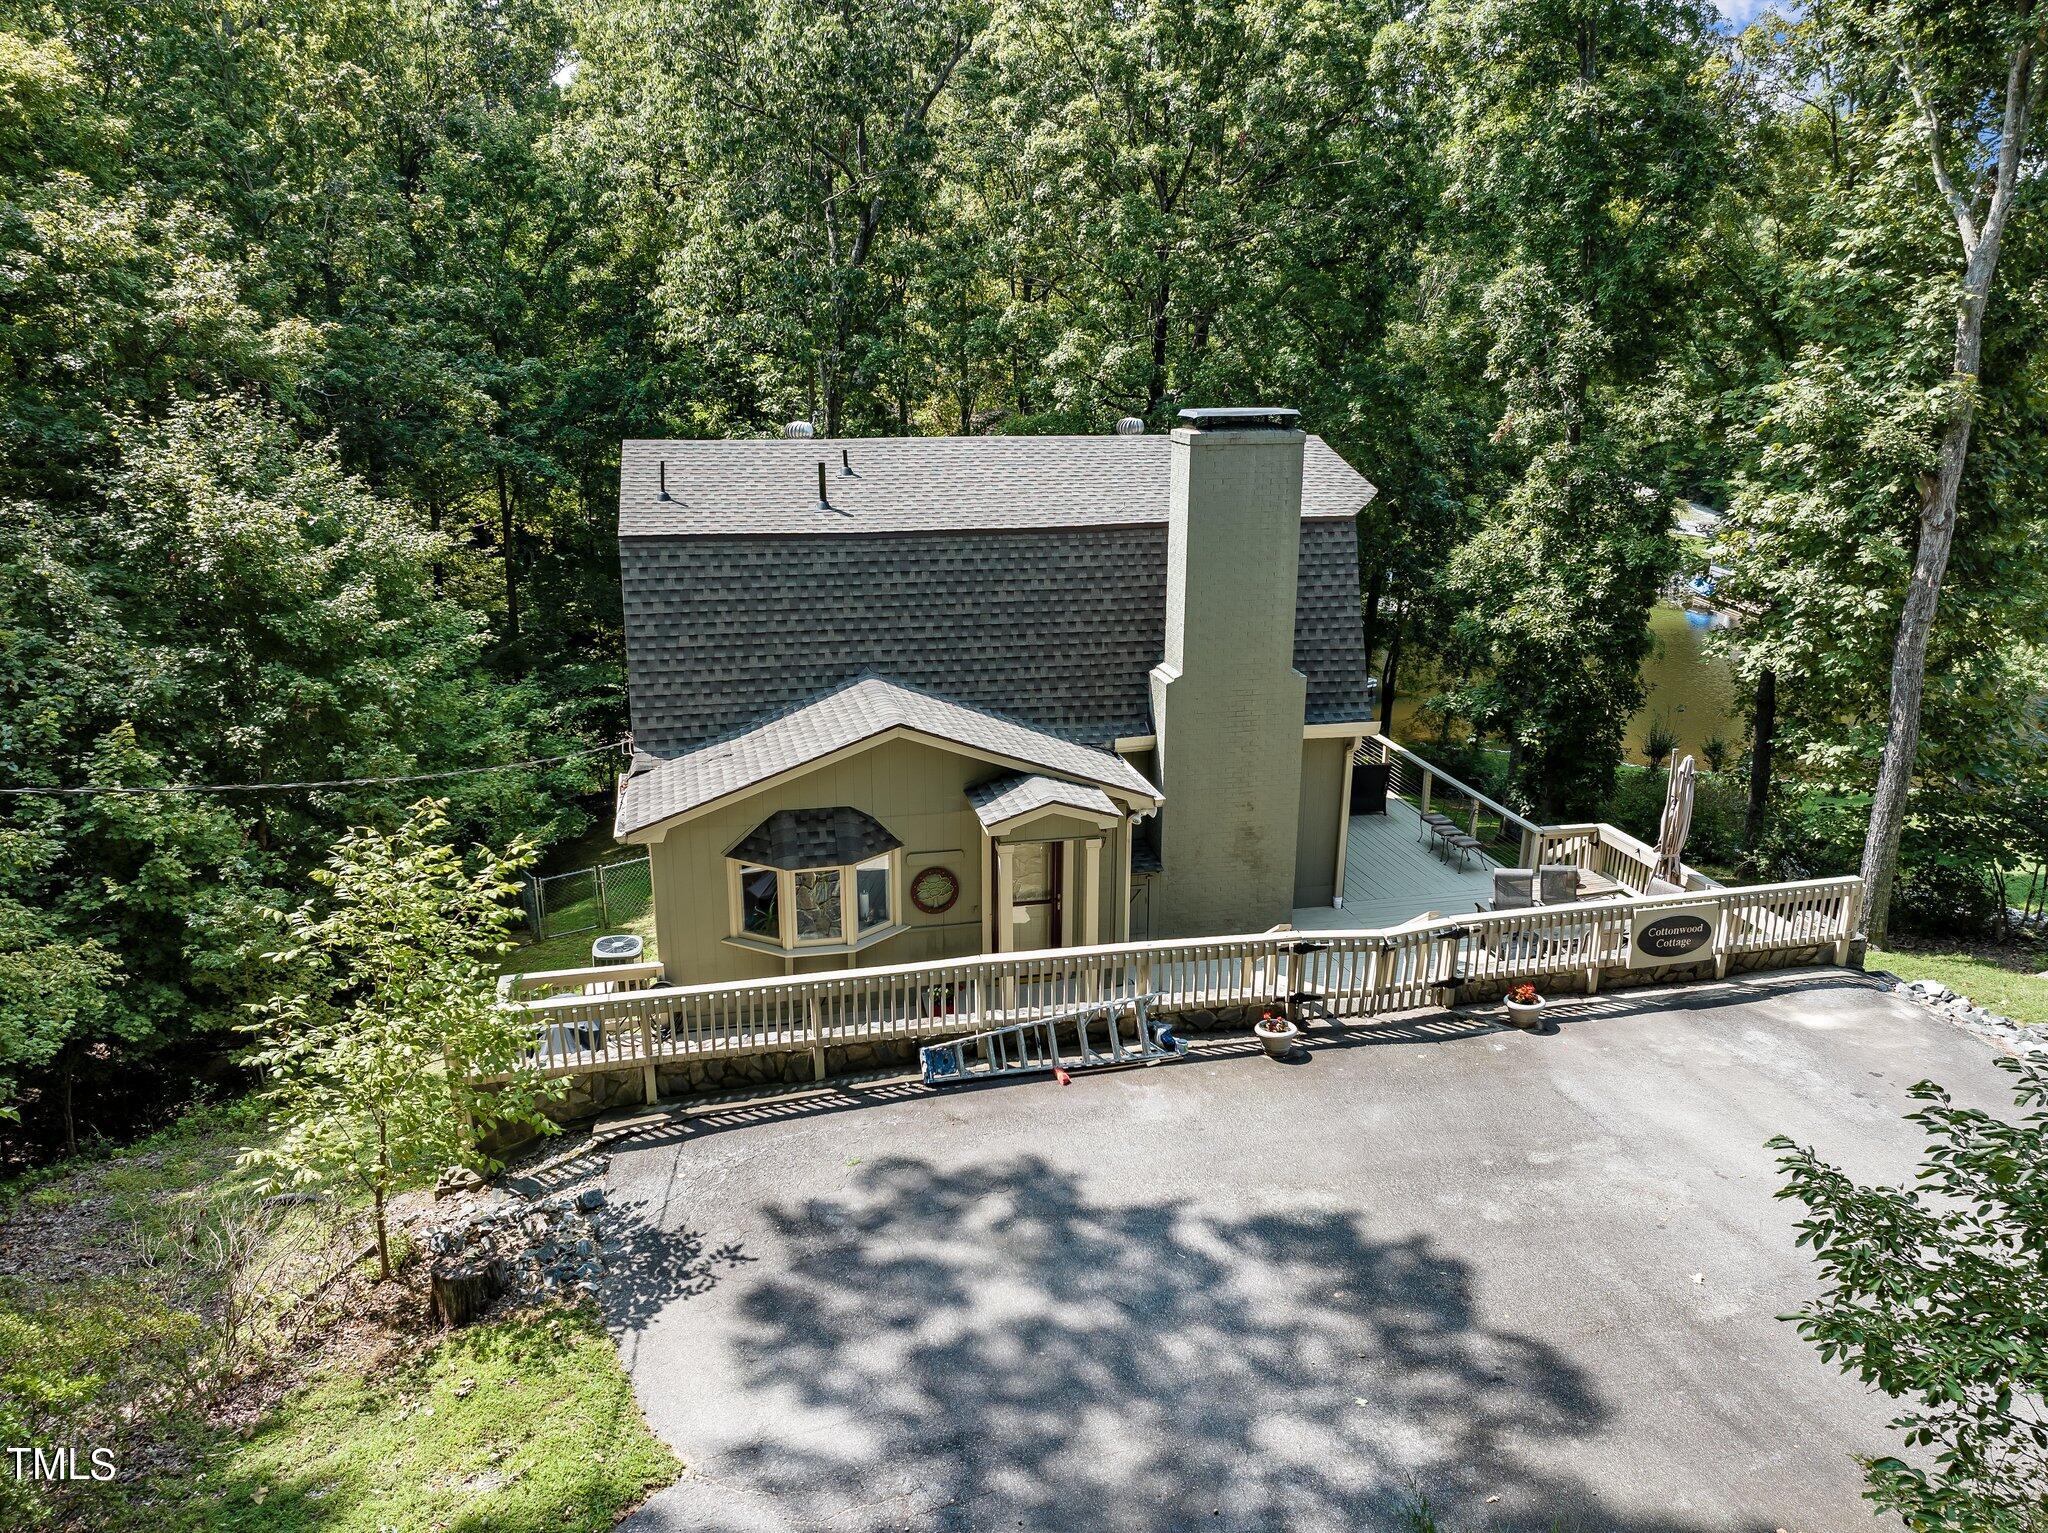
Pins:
x: 1689, y: 690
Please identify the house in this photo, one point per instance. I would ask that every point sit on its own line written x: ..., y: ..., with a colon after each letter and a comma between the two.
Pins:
x: 902, y: 699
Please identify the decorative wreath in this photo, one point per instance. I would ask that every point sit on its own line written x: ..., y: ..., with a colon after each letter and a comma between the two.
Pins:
x: 934, y: 890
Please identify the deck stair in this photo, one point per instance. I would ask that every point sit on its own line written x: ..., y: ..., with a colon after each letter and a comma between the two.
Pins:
x: 1124, y: 1029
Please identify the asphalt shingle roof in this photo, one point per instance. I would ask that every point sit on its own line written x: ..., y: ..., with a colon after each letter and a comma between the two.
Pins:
x: 1060, y: 626
x: 925, y: 484
x: 814, y: 838
x: 658, y: 789
x: 1007, y: 797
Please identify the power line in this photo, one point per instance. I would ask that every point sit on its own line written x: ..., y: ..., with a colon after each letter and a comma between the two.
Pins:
x: 331, y: 782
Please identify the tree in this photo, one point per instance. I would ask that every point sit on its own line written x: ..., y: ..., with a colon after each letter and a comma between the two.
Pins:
x: 1581, y: 147
x: 372, y: 1050
x: 1821, y: 325
x: 1969, y: 89
x: 52, y: 989
x: 1932, y: 1294
x: 794, y: 148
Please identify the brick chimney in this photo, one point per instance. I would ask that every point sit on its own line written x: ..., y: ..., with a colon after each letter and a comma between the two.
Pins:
x: 1227, y: 702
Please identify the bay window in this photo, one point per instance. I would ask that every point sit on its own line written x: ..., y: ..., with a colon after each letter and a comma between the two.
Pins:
x: 815, y: 880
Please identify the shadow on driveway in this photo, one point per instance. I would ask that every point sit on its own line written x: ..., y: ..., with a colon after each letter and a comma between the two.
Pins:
x: 994, y: 1349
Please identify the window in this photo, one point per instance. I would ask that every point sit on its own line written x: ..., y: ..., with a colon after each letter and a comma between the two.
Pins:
x: 813, y: 903
x: 871, y: 894
x: 818, y: 914
x: 760, y: 909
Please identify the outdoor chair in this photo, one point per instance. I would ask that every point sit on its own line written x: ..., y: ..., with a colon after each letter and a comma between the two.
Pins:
x: 1560, y: 886
x: 1513, y: 889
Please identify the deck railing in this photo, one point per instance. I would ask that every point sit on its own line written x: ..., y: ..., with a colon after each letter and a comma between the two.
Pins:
x: 1502, y: 833
x: 613, y: 1018
x: 1513, y: 839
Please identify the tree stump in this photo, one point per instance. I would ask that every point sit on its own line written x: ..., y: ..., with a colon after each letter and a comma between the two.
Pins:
x: 462, y: 1291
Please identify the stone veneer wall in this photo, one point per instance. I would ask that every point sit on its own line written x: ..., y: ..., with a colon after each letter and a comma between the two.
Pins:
x: 1475, y: 992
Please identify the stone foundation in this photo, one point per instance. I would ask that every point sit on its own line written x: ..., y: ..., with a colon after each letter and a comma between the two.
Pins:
x: 797, y: 1067
x: 1478, y: 992
x: 1217, y: 1019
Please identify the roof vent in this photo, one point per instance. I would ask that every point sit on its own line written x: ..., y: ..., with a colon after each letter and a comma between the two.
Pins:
x: 799, y: 431
x: 664, y: 481
x: 1130, y: 425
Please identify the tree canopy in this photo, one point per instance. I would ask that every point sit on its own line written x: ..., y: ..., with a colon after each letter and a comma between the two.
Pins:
x: 326, y: 318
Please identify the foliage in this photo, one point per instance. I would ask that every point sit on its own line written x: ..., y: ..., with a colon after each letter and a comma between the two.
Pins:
x: 388, y: 1018
x: 1581, y: 152
x: 72, y: 1360
x: 530, y: 1420
x: 524, y: 1422
x: 1659, y: 742
x: 326, y: 320
x: 1850, y: 404
x: 52, y: 991
x: 1931, y: 1294
x: 1637, y: 806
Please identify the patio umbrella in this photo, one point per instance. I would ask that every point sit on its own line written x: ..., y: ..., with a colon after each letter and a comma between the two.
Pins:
x: 1677, y: 822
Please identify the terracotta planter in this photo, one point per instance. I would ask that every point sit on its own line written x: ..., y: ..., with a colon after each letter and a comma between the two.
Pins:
x: 1277, y: 1035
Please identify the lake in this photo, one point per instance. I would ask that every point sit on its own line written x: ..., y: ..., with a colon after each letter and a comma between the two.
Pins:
x: 1691, y: 691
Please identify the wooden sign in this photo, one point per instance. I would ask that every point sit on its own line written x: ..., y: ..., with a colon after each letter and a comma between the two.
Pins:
x: 1668, y: 934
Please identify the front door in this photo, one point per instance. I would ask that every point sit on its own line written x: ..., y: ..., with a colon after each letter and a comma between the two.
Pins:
x: 1035, y: 878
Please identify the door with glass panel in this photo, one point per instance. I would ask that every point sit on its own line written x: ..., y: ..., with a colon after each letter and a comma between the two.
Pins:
x: 1035, y: 877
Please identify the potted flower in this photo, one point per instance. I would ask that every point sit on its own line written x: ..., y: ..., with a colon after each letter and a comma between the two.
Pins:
x: 1525, y: 1004
x: 1277, y: 1034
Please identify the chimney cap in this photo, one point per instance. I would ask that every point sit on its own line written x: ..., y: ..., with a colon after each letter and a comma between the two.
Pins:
x: 1243, y: 418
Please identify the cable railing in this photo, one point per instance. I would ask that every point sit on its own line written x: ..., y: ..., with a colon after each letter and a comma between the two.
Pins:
x: 1513, y: 839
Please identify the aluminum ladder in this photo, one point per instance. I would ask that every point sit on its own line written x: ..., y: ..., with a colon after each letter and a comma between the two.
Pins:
x: 1129, y: 1036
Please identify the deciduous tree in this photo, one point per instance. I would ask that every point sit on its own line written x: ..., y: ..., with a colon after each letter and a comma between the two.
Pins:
x: 388, y: 1016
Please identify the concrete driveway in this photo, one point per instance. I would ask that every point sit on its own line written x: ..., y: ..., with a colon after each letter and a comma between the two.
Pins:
x: 1530, y: 1279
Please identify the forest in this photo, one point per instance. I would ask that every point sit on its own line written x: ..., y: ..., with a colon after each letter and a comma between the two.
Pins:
x: 325, y: 318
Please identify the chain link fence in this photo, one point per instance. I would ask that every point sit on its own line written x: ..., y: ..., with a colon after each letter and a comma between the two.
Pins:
x: 602, y: 897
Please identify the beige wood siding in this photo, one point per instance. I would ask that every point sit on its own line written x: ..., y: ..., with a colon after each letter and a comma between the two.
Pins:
x: 917, y: 791
x: 1315, y: 843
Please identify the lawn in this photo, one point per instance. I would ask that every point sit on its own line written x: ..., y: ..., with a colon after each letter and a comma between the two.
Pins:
x: 525, y: 1423
x: 573, y: 950
x: 2009, y: 992
x: 152, y: 1302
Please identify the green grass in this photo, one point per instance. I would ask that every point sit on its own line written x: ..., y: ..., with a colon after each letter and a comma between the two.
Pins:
x: 518, y: 1424
x: 2005, y: 991
x: 2022, y: 884
x: 573, y: 951
x: 521, y: 1423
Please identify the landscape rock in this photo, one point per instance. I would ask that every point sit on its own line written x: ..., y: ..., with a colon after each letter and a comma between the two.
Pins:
x: 2007, y: 1034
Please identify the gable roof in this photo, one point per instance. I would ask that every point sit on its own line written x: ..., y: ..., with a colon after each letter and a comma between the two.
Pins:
x: 925, y: 484
x: 1006, y: 798
x: 655, y: 790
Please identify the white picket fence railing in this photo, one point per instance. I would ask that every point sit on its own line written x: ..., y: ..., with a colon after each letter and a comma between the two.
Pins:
x: 587, y: 1020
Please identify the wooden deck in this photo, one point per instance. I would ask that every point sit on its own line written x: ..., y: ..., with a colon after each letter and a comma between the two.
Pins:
x: 1393, y: 874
